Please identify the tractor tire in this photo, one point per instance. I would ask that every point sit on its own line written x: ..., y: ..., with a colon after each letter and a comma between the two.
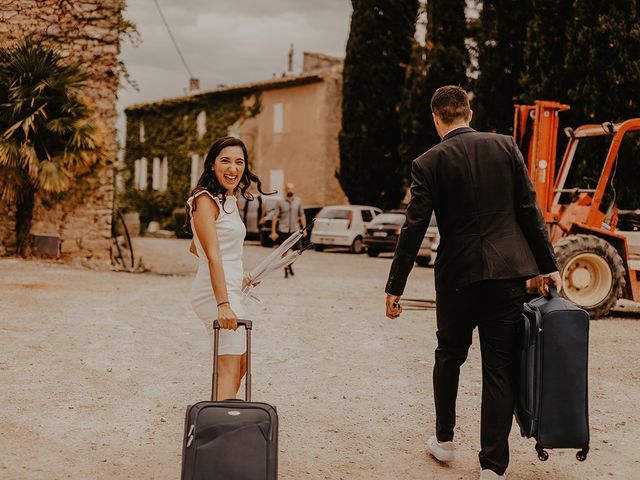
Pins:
x: 357, y: 246
x: 593, y: 275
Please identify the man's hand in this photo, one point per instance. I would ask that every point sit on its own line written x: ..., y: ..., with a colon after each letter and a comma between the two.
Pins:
x: 273, y: 236
x: 553, y: 279
x: 394, y: 309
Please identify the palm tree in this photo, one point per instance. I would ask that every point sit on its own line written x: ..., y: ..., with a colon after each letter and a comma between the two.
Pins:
x: 47, y: 129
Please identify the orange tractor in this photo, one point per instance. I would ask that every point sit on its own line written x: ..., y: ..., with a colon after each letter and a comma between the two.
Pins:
x: 594, y: 259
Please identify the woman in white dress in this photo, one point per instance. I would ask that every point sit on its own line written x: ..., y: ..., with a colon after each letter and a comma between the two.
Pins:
x: 218, y: 234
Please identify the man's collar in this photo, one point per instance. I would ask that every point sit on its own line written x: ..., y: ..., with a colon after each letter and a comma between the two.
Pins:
x: 457, y: 131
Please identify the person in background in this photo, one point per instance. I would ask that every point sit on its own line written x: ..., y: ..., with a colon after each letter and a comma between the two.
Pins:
x: 288, y: 217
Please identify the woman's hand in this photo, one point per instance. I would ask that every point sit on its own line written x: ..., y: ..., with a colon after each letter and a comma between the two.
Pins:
x: 226, y: 318
x: 247, y: 281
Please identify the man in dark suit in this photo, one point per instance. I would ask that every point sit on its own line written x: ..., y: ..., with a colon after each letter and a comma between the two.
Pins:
x: 492, y: 238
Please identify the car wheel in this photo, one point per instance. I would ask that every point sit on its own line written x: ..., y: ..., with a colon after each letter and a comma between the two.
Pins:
x: 357, y: 245
x: 318, y: 248
x: 372, y: 252
x: 423, y: 261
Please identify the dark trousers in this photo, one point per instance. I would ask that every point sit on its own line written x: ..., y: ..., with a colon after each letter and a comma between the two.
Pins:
x: 495, y: 307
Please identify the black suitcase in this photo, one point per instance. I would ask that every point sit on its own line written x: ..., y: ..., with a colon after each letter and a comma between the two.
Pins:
x: 230, y: 439
x: 552, y: 405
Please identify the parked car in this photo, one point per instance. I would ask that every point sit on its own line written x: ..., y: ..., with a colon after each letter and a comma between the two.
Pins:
x: 342, y: 226
x: 310, y: 211
x: 431, y: 238
x: 382, y: 233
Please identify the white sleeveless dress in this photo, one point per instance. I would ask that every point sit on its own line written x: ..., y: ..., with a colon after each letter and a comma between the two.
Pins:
x: 231, y: 232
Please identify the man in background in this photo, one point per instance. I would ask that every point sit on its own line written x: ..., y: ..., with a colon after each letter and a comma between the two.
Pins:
x: 288, y: 217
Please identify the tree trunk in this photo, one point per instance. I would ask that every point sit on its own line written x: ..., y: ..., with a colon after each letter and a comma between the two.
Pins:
x: 24, y: 215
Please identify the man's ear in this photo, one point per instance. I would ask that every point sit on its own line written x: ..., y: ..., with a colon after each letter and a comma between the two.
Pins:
x: 470, y: 116
x: 435, y: 118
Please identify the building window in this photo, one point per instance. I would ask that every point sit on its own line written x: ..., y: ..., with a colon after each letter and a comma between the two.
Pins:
x: 141, y: 132
x: 197, y: 167
x: 164, y: 174
x: 160, y: 179
x: 136, y: 173
x: 140, y: 173
x: 119, y: 182
x: 155, y: 176
x: 278, y: 113
x: 276, y: 180
x: 201, y: 124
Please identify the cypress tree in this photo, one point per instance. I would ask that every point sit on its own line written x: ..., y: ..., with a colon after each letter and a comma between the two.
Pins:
x: 441, y: 61
x: 378, y: 51
x: 603, y: 58
x: 501, y: 40
x: 545, y: 76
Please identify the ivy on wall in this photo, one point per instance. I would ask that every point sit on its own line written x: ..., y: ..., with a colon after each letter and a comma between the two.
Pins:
x: 170, y: 131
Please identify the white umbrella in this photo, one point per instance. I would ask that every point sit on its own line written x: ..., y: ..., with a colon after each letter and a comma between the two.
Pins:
x: 258, y: 271
x: 274, y: 261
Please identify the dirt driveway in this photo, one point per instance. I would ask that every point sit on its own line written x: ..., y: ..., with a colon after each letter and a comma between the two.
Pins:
x: 96, y: 370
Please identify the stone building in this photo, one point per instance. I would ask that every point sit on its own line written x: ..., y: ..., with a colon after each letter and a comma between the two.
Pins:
x: 290, y: 125
x: 88, y: 31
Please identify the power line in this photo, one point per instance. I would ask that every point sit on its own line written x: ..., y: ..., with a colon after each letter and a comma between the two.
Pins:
x: 175, y: 43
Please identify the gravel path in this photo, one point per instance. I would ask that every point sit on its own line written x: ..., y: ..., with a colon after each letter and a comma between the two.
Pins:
x: 97, y: 368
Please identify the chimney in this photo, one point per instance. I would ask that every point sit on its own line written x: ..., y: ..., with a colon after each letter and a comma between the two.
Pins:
x: 290, y: 62
x: 194, y: 85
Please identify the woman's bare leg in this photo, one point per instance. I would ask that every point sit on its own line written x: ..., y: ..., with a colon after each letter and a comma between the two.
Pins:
x: 231, y: 369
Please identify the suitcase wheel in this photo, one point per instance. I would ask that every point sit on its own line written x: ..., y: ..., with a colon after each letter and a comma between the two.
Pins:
x: 543, y: 455
x: 582, y: 454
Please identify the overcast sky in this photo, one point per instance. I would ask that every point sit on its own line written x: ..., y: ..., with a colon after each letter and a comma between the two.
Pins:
x: 225, y: 42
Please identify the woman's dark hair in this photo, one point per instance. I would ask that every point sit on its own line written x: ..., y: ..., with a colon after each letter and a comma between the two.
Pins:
x: 209, y: 182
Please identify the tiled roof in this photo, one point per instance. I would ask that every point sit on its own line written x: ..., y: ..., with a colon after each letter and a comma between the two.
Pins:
x: 284, y: 81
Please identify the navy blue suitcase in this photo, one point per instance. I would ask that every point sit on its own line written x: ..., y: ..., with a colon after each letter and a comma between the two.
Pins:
x: 553, y: 401
x: 230, y: 439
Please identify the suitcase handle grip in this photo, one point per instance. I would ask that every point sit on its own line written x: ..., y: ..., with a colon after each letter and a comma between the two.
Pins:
x: 248, y: 325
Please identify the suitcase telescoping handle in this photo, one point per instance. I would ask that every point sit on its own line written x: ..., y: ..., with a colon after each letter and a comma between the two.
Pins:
x: 247, y: 324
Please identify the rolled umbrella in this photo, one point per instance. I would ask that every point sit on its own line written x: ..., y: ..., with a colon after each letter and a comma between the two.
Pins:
x: 274, y: 256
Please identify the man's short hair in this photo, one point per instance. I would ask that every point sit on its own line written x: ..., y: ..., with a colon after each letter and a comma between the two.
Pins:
x: 450, y: 103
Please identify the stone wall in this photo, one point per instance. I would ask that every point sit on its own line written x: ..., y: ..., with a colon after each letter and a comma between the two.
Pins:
x: 89, y: 31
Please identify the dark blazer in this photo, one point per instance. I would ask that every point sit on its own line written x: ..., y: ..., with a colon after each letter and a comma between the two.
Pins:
x: 489, y: 221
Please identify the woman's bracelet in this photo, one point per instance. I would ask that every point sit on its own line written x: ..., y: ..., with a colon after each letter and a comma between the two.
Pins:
x: 222, y: 303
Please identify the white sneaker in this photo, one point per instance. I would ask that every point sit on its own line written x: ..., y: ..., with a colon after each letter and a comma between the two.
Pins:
x: 443, y: 451
x: 491, y: 475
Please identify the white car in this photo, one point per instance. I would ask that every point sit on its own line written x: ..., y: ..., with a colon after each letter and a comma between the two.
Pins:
x: 342, y: 226
x: 431, y: 240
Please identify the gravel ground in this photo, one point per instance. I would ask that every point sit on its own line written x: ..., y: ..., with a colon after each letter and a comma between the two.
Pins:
x: 97, y: 368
